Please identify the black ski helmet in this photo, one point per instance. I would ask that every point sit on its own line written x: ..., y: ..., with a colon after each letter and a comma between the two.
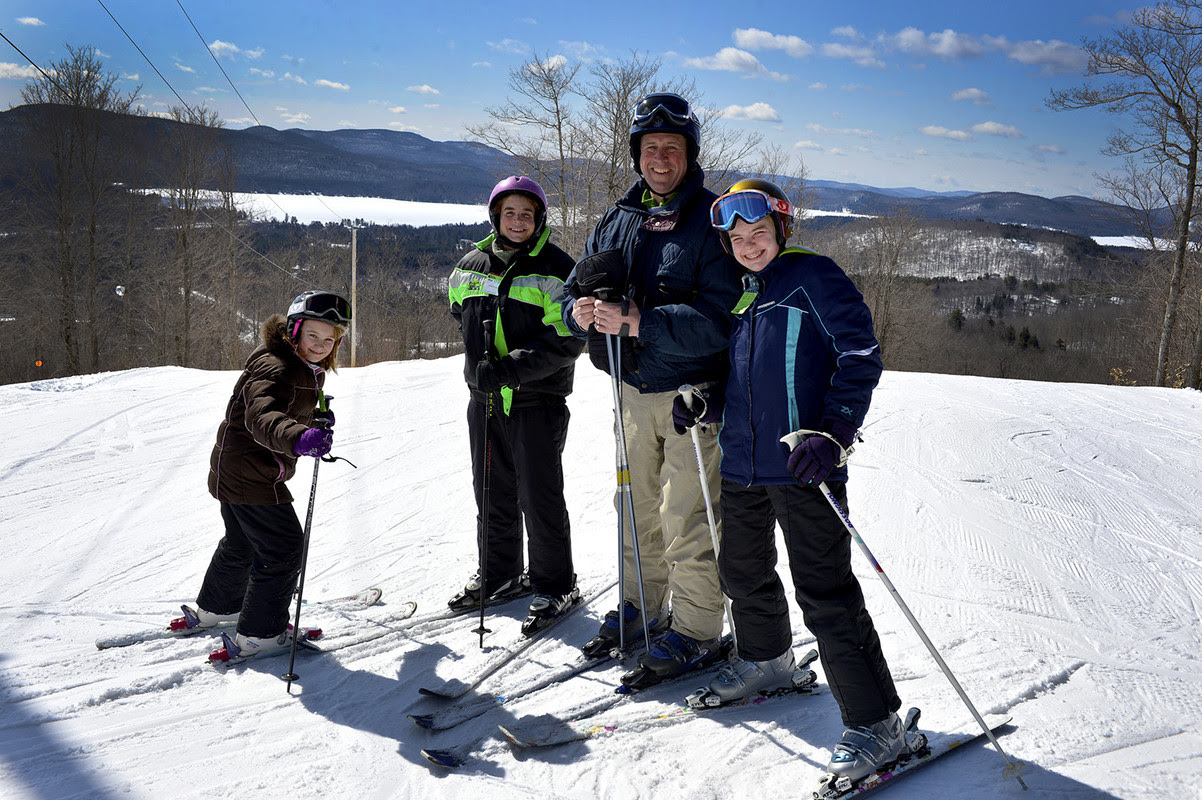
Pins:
x: 518, y: 184
x: 318, y: 305
x: 665, y: 112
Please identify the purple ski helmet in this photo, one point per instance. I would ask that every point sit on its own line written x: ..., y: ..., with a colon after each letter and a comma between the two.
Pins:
x: 518, y: 184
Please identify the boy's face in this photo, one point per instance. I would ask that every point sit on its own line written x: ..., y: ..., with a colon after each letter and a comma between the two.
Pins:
x: 316, y: 340
x: 517, y: 215
x: 754, y: 244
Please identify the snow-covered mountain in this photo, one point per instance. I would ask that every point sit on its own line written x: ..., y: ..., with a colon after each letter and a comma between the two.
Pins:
x: 1047, y: 537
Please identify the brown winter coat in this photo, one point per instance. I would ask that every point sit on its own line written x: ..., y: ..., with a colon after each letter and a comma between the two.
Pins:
x: 271, y: 407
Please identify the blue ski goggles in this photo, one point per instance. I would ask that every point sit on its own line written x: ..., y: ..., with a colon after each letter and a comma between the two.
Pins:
x: 672, y: 107
x: 750, y: 205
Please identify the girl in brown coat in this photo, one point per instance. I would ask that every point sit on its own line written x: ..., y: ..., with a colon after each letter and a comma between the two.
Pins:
x: 274, y: 416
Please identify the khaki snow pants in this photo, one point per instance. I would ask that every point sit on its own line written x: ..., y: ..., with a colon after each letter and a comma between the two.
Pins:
x: 675, y: 545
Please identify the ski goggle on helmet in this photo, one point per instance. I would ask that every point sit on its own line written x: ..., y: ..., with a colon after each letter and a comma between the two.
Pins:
x: 324, y: 306
x: 750, y: 205
x: 671, y: 106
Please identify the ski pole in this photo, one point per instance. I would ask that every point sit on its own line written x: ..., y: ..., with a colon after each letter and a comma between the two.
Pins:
x: 1013, y: 768
x: 484, y: 493
x: 625, y: 502
x: 323, y: 405
x: 686, y: 392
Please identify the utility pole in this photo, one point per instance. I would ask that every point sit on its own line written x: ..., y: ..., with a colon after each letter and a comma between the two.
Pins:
x: 354, y: 286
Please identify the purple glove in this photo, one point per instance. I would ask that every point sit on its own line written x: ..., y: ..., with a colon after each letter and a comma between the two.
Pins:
x: 707, y: 410
x: 314, y: 442
x: 814, y: 458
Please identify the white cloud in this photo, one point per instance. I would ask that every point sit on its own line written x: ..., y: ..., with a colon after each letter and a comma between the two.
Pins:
x: 17, y: 72
x: 422, y: 89
x: 481, y: 63
x: 825, y: 131
x: 998, y: 129
x: 946, y: 44
x: 346, y: 123
x: 342, y: 87
x: 401, y: 126
x: 807, y: 144
x: 510, y: 46
x: 862, y: 54
x: 297, y: 118
x: 553, y: 63
x: 756, y: 112
x: 397, y: 110
x: 976, y: 96
x: 262, y: 73
x: 1053, y: 56
x: 183, y: 68
x: 732, y: 59
x: 846, y: 31
x: 940, y: 132
x: 1054, y: 149
x: 581, y: 50
x: 819, y: 86
x: 756, y: 39
x: 34, y: 21
x: 288, y: 76
x: 229, y: 50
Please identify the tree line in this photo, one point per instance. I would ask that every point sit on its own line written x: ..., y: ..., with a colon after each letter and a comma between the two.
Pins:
x: 99, y: 275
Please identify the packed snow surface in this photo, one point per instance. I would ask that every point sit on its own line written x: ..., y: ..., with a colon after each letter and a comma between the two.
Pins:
x: 1046, y: 536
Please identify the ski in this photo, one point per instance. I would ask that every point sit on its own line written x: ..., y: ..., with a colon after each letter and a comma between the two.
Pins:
x: 353, y: 602
x: 456, y: 688
x: 938, y: 744
x: 471, y: 707
x: 457, y: 755
x: 553, y: 732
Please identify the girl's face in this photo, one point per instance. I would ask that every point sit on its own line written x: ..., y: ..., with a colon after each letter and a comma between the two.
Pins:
x: 754, y: 244
x: 517, y: 217
x: 316, y: 340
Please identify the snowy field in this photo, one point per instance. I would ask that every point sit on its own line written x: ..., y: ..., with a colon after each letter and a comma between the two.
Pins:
x: 1047, y: 536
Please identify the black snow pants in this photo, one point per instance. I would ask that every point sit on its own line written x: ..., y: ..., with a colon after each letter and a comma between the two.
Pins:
x: 255, y: 567
x: 524, y: 458
x: 830, y: 597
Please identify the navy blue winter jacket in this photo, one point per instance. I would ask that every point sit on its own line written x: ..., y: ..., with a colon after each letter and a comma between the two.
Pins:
x: 802, y: 353
x: 683, y: 282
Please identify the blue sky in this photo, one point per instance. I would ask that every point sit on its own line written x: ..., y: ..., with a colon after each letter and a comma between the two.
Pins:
x: 939, y: 95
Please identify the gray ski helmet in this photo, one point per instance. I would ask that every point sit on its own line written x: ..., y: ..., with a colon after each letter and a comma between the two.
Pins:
x: 518, y: 184
x: 665, y: 112
x: 318, y: 305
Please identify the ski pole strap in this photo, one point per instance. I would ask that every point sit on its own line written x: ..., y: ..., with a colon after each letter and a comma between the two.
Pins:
x: 798, y: 436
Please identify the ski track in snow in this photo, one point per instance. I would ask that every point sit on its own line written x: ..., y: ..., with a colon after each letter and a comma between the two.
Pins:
x: 1046, y: 536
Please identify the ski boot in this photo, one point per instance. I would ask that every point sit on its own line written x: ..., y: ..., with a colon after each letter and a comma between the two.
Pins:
x: 469, y: 598
x: 546, y: 608
x: 196, y: 620
x: 865, y: 751
x: 739, y: 679
x: 674, y: 654
x: 240, y: 647
x: 607, y: 638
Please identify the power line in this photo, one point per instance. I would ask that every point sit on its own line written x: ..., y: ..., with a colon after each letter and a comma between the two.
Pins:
x: 34, y: 65
x: 218, y: 63
x: 148, y: 61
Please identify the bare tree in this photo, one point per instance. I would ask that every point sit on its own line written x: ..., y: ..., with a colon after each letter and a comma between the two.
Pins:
x: 83, y: 152
x: 1154, y: 67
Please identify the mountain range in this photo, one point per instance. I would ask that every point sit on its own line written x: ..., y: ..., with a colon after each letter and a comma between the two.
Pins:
x: 407, y: 166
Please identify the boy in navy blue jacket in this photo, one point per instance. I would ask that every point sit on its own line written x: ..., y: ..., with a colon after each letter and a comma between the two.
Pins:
x: 803, y: 356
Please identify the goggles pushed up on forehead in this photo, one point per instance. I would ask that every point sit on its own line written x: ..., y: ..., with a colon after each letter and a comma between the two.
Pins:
x: 323, y: 305
x: 750, y: 205
x: 673, y: 107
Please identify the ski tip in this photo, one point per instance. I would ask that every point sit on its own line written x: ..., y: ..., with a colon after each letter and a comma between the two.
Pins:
x: 369, y: 597
x: 444, y: 758
x: 423, y: 720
